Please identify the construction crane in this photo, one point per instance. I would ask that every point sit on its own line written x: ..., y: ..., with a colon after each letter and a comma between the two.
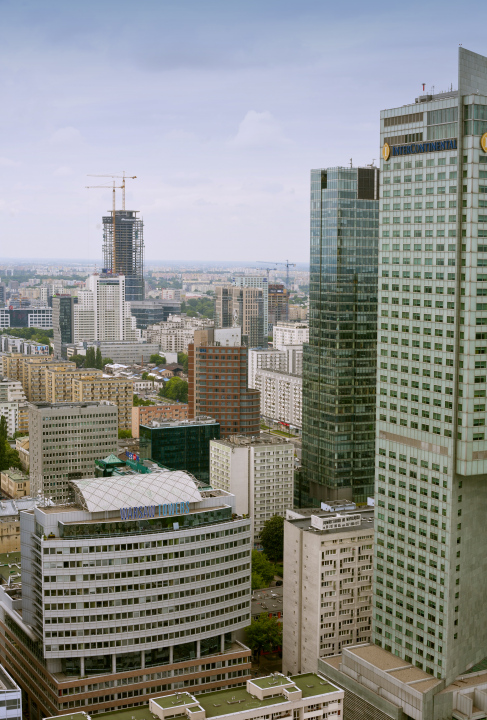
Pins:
x: 114, y: 187
x: 286, y: 264
x: 123, y: 177
x: 268, y: 270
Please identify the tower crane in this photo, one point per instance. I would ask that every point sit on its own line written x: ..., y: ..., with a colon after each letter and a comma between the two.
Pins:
x: 286, y: 264
x: 123, y: 177
x: 114, y: 187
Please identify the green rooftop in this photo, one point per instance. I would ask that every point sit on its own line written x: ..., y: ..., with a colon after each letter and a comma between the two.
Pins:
x: 271, y: 681
x: 73, y: 716
x: 311, y: 684
x: 175, y: 700
x: 225, y: 702
x: 12, y: 560
x: 139, y: 713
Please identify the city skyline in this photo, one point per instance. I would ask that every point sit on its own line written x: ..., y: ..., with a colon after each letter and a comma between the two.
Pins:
x: 219, y: 112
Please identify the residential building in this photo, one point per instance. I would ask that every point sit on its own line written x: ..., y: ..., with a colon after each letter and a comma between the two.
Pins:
x: 281, y: 396
x: 65, y: 439
x: 289, y: 697
x: 265, y: 359
x: 13, y: 405
x: 278, y: 310
x: 297, y: 312
x: 146, y: 414
x: 117, y: 390
x: 173, y: 625
x: 226, y: 337
x: 176, y: 333
x: 11, y: 367
x: 102, y: 312
x: 63, y: 323
x: 217, y: 387
x: 260, y: 282
x: 10, y: 530
x: 289, y: 333
x: 241, y: 307
x: 327, y: 601
x: 14, y: 484
x: 180, y: 444
x: 171, y: 294
x: 11, y: 344
x: 431, y: 448
x: 59, y: 381
x: 339, y: 362
x: 259, y: 471
x: 22, y: 446
x: 33, y: 375
x: 123, y: 250
x: 149, y: 312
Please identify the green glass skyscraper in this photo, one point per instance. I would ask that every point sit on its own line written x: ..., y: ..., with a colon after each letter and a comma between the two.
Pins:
x: 339, y: 363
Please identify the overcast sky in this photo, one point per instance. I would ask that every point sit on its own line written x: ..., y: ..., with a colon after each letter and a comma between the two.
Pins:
x: 220, y: 108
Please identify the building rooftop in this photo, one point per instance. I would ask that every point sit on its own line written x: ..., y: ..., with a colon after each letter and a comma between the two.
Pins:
x: 201, y: 420
x: 74, y: 405
x: 10, y: 567
x: 253, y: 440
x: 155, y: 488
x: 6, y: 682
x: 322, y: 523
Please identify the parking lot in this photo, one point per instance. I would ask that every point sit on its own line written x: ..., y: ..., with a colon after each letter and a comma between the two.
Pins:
x: 268, y: 600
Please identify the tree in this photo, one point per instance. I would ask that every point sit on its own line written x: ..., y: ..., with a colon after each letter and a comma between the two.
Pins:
x: 257, y: 581
x: 264, y: 634
x: 8, y: 457
x: 157, y: 359
x: 183, y: 360
x: 79, y: 360
x: 137, y: 401
x: 98, y: 359
x: 175, y: 389
x: 124, y: 434
x: 272, y: 538
x: 90, y: 361
x: 145, y: 376
x: 262, y: 567
x: 107, y: 361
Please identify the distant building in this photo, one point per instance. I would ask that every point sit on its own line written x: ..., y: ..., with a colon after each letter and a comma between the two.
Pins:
x: 35, y: 317
x: 102, y: 312
x: 149, y: 312
x: 241, y: 307
x: 261, y: 282
x: 327, y: 601
x: 297, y: 312
x: 65, y: 440
x: 259, y: 471
x: 217, y: 387
x: 115, y: 390
x: 180, y: 444
x: 123, y: 250
x: 121, y: 351
x: 62, y: 322
x: 145, y: 414
x: 290, y: 333
x: 281, y: 396
x: 278, y: 305
x: 176, y: 333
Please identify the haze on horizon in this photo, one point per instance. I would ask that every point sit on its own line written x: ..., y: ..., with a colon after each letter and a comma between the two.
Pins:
x: 220, y: 109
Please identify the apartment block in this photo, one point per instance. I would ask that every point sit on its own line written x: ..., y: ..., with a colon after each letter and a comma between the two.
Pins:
x: 113, y: 390
x: 59, y: 381
x: 65, y: 439
x: 176, y: 333
x: 13, y: 405
x: 95, y: 639
x: 260, y: 282
x: 32, y: 372
x: 217, y: 387
x: 327, y: 599
x: 259, y: 471
x: 290, y: 333
x: 281, y: 396
x: 144, y: 415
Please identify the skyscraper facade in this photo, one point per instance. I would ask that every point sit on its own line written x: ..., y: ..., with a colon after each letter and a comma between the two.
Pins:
x: 278, y: 304
x: 257, y: 281
x: 62, y: 322
x: 431, y: 449
x: 339, y: 362
x: 242, y: 307
x: 123, y: 250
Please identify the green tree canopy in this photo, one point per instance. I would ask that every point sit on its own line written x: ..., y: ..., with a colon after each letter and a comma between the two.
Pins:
x: 124, y: 434
x: 183, y: 360
x: 90, y: 361
x: 107, y: 361
x: 264, y: 634
x: 157, y: 359
x: 263, y: 568
x: 175, y: 389
x: 138, y: 401
x: 272, y: 538
x: 98, y: 359
x: 8, y: 457
x: 78, y: 359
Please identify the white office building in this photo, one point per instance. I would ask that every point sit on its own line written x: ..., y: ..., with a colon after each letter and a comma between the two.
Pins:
x: 259, y: 471
x: 256, y: 281
x: 142, y: 582
x: 327, y: 599
x: 290, y: 333
x: 102, y: 312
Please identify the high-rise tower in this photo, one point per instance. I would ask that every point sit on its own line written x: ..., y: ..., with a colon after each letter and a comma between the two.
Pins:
x: 124, y: 253
x: 339, y: 363
x: 431, y: 449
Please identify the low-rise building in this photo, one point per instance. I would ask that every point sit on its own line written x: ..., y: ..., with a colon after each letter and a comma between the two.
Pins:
x: 259, y: 471
x: 161, y: 620
x: 22, y: 447
x: 109, y: 389
x: 14, y: 483
x: 145, y: 414
x: 328, y: 589
x: 281, y: 396
x: 10, y: 510
x: 180, y: 444
x: 120, y: 351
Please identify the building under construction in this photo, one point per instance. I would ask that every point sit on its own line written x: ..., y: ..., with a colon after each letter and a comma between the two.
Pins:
x: 123, y: 250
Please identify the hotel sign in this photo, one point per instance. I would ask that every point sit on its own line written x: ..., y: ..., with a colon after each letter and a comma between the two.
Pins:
x: 152, y: 511
x: 417, y: 148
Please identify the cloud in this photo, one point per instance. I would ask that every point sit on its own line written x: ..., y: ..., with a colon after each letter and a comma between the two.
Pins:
x: 63, y: 171
x: 7, y: 162
x: 259, y: 129
x: 65, y: 136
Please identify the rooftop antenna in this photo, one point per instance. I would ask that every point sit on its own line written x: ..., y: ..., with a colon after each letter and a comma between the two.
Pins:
x: 351, y: 165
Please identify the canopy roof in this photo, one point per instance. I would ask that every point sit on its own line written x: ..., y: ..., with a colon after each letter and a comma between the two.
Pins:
x: 156, y: 488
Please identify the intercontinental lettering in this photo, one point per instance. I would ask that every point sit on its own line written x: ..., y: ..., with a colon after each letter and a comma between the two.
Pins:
x: 424, y: 147
x: 150, y: 511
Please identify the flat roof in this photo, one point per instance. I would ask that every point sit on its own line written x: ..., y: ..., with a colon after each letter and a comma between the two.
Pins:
x: 6, y: 682
x: 9, y: 565
x: 367, y: 523
x: 251, y: 441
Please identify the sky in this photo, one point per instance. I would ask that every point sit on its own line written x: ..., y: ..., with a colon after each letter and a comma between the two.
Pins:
x: 220, y: 108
